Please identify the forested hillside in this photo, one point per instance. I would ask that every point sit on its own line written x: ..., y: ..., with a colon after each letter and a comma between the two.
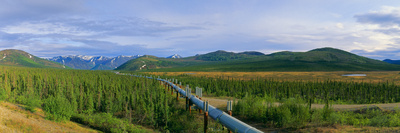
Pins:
x: 99, y: 99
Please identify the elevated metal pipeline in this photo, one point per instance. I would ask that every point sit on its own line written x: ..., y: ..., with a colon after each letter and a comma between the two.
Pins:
x: 225, y: 119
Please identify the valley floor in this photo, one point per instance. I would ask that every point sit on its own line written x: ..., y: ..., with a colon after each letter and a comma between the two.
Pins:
x: 371, y: 77
x: 220, y: 103
x: 14, y: 118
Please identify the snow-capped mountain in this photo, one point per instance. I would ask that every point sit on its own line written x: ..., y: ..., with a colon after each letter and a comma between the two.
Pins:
x: 175, y: 56
x: 92, y: 62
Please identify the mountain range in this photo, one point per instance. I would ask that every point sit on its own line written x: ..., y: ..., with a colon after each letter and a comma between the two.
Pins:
x: 175, y: 56
x: 392, y: 61
x: 321, y: 59
x: 92, y: 62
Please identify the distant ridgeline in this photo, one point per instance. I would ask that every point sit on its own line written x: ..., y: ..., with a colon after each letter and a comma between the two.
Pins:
x: 221, y: 55
x: 12, y: 57
x: 321, y: 59
x: 392, y: 61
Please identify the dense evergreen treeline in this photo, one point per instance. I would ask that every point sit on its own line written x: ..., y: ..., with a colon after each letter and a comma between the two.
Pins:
x: 338, y: 91
x: 66, y: 94
x: 112, y: 103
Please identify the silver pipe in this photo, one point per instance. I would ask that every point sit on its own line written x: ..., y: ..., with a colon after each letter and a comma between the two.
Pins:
x: 225, y: 119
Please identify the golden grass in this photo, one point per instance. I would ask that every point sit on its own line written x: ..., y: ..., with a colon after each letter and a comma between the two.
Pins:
x: 21, y: 120
x: 77, y: 127
x: 23, y: 126
x: 373, y: 76
x: 348, y: 129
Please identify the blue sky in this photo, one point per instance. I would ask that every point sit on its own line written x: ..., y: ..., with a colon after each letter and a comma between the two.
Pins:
x: 48, y: 28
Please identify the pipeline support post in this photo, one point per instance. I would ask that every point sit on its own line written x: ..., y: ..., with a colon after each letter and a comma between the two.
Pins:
x: 200, y: 109
x: 199, y: 94
x: 190, y: 106
x: 197, y: 108
x: 188, y: 95
x: 205, y: 122
x: 205, y: 105
x: 186, y: 102
x: 229, y: 109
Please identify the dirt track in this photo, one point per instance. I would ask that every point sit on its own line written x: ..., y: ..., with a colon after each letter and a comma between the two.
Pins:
x: 388, y: 106
x: 221, y: 103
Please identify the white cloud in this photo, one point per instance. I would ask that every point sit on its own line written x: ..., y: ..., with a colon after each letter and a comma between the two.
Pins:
x: 387, y: 10
x: 339, y: 25
x: 336, y: 15
x: 380, y: 30
x: 355, y: 35
x: 267, y: 26
x: 386, y: 17
x: 44, y: 28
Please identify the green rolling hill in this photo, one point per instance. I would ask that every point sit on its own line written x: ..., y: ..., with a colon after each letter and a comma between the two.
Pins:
x: 13, y: 57
x: 322, y: 59
x: 149, y: 62
x: 221, y: 55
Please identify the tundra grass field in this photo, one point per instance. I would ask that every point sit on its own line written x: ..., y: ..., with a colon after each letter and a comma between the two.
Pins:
x: 371, y: 76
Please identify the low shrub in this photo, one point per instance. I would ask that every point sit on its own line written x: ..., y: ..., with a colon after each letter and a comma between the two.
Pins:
x: 106, y: 122
x: 58, y: 108
x: 289, y: 114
